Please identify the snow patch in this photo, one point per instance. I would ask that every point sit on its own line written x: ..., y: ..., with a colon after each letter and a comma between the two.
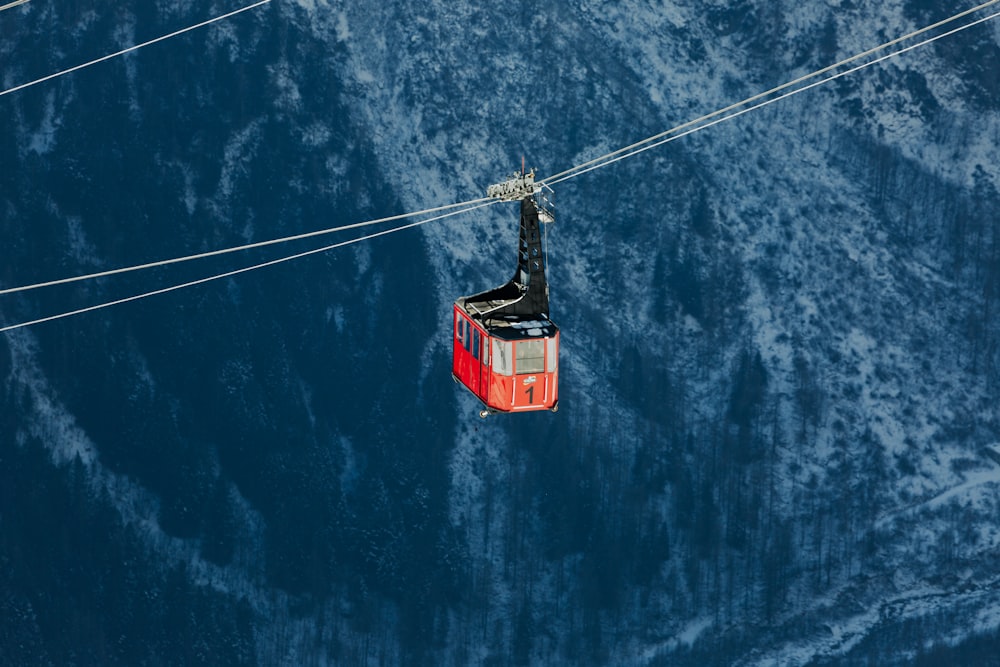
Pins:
x: 43, y: 140
x: 685, y: 638
x: 81, y: 249
x: 288, y: 97
x: 343, y: 32
x: 44, y: 418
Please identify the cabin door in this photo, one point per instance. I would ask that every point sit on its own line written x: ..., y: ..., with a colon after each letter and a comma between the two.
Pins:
x: 530, y: 391
x: 530, y: 380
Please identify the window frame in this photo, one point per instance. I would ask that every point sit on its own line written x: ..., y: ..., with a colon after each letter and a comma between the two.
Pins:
x: 537, y: 360
x: 503, y: 351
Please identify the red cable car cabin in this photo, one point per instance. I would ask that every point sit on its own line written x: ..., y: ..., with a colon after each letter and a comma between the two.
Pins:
x: 510, y: 365
x: 506, y: 350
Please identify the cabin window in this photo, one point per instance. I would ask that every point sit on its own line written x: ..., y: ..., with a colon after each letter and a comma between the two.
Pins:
x: 486, y: 350
x: 465, y: 333
x: 501, y: 357
x: 531, y: 356
x: 475, y: 343
x: 458, y: 326
x: 552, y: 354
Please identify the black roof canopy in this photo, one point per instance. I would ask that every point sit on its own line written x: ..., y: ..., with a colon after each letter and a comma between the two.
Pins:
x: 525, y: 297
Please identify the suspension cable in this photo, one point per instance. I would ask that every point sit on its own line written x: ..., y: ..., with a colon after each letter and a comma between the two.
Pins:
x: 224, y: 251
x: 245, y: 269
x: 696, y: 124
x: 690, y: 127
x: 133, y: 48
x: 11, y: 5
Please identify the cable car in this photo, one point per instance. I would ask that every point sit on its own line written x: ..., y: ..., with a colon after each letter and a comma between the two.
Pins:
x: 506, y: 349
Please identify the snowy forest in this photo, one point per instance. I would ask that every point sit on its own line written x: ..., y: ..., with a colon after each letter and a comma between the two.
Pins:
x: 778, y: 435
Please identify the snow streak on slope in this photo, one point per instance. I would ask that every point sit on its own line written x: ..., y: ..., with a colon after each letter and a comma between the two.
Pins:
x: 43, y: 418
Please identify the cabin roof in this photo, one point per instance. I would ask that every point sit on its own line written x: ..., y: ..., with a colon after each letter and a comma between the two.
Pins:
x: 508, y: 327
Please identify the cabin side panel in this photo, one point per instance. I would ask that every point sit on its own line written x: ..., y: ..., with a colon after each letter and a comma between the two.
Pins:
x: 552, y: 367
x: 501, y: 374
x: 501, y: 392
x: 462, y: 366
x: 485, y: 345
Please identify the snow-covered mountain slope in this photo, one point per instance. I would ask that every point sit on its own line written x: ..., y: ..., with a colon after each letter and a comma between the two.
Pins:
x: 780, y: 335
x: 792, y: 292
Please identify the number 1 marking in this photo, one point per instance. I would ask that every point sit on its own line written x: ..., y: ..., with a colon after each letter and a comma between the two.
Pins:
x: 531, y: 393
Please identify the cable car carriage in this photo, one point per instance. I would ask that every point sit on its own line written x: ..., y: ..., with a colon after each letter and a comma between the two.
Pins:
x: 506, y: 350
